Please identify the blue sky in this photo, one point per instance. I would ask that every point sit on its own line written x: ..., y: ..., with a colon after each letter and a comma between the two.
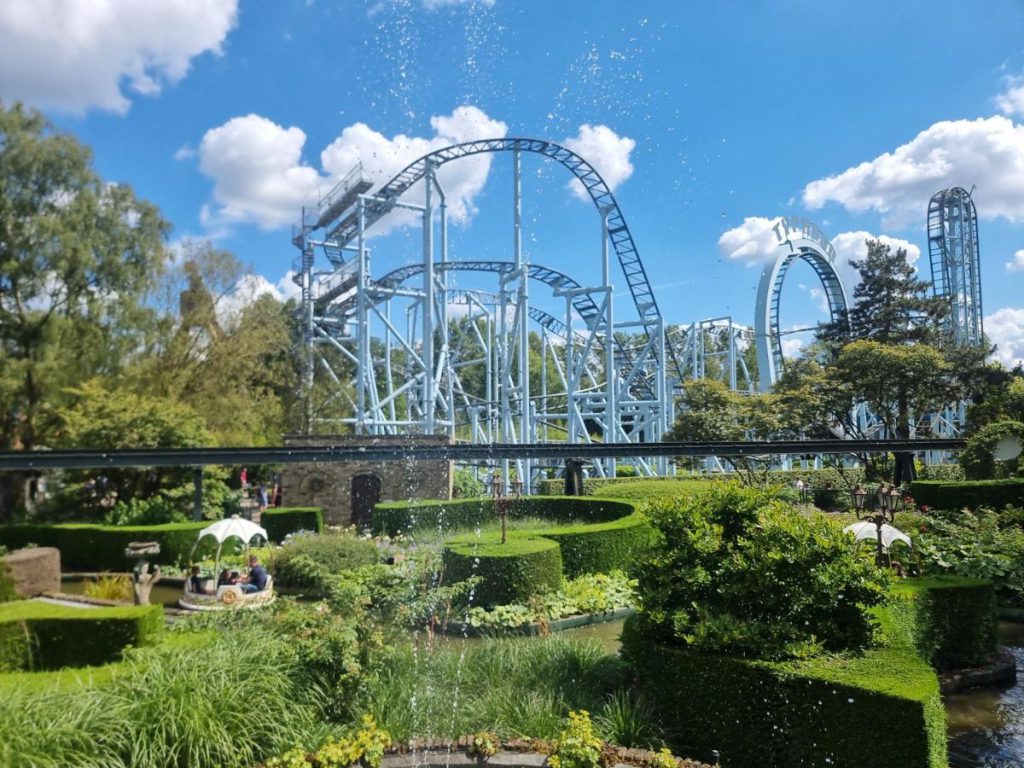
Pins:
x: 709, y: 119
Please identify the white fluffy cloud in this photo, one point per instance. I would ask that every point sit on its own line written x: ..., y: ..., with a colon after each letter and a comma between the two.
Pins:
x: 257, y: 171
x: 260, y: 178
x: 1011, y: 101
x: 73, y: 55
x: 988, y: 152
x: 752, y: 242
x: 1017, y: 263
x: 604, y: 149
x: 382, y: 158
x: 1005, y: 328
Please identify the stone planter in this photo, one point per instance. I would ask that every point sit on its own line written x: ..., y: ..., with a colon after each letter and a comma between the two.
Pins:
x: 35, y: 570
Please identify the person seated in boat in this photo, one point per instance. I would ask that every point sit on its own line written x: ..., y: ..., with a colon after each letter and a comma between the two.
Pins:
x: 256, y: 579
x: 196, y: 582
x: 227, y: 577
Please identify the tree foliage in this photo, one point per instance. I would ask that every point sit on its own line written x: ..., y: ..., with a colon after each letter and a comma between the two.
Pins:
x: 77, y: 256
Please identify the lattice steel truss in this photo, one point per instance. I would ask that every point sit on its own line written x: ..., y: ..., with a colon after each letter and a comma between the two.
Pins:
x: 395, y: 330
x: 956, y: 263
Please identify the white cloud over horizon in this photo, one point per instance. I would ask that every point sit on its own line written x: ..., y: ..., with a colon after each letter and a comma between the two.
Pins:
x: 987, y: 152
x: 73, y: 56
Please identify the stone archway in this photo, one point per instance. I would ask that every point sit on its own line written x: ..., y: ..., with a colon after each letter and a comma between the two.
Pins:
x: 366, y: 489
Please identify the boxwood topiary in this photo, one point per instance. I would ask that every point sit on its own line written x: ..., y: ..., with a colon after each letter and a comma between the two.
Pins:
x: 281, y: 521
x: 36, y: 635
x: 509, y: 572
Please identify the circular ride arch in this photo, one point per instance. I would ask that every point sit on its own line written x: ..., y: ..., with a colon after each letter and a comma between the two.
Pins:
x: 799, y: 239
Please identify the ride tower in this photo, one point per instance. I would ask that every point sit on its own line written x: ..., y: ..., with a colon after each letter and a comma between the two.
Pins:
x: 956, y: 263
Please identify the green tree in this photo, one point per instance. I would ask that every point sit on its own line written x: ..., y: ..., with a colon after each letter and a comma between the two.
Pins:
x: 890, y: 353
x: 890, y: 304
x: 108, y: 418
x: 77, y: 256
x: 226, y: 353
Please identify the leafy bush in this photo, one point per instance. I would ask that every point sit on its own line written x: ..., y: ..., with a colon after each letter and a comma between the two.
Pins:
x: 737, y: 573
x: 976, y: 457
x: 975, y: 545
x: 577, y: 746
x: 591, y: 593
x: 312, y: 561
x: 465, y: 484
x: 155, y: 511
x: 282, y: 521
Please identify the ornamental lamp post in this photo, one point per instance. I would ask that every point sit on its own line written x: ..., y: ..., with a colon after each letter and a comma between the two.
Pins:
x: 859, y: 496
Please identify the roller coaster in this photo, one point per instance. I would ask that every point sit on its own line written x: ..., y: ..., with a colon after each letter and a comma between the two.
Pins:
x: 410, y: 352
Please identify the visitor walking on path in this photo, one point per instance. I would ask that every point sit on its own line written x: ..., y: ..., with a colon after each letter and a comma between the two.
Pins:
x: 261, y: 498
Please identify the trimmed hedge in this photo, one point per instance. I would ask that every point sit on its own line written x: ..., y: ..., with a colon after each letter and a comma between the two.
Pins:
x: 280, y: 521
x: 601, y: 547
x: 948, y: 620
x: 524, y: 565
x: 969, y: 494
x: 824, y: 711
x: 94, y: 547
x: 605, y: 534
x: 394, y: 517
x: 35, y: 635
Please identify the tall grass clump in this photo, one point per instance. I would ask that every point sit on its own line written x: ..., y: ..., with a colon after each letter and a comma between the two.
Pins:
x: 231, y: 703
x: 111, y: 586
x: 57, y: 728
x: 513, y: 687
x: 627, y: 718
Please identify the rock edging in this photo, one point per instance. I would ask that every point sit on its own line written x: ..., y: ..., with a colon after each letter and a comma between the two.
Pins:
x: 1001, y: 668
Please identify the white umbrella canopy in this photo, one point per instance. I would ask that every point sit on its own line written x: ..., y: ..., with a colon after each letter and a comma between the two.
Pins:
x: 867, y: 531
x: 222, y: 530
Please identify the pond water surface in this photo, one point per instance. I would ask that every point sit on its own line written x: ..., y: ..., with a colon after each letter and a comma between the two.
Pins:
x: 986, y: 725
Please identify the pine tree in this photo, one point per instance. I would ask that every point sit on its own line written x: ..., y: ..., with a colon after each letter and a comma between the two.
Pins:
x: 890, y: 304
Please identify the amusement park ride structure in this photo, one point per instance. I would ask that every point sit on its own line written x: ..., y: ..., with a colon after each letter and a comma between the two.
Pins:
x: 602, y: 375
